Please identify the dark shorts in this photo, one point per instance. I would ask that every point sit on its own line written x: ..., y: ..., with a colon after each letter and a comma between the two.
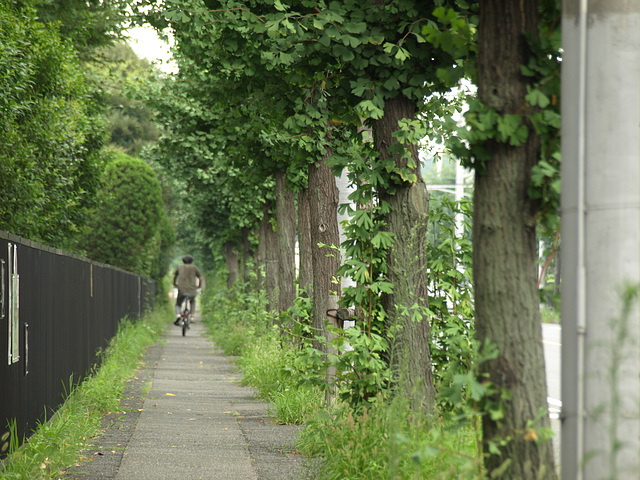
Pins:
x: 182, y: 297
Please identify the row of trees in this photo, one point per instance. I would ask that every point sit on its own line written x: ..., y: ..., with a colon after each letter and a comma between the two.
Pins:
x: 272, y: 100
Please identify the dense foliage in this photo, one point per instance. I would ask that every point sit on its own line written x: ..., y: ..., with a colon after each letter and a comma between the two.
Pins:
x: 129, y: 227
x: 86, y: 24
x: 50, y: 135
x: 65, y: 92
x: 118, y: 76
x: 367, y: 433
x: 268, y: 87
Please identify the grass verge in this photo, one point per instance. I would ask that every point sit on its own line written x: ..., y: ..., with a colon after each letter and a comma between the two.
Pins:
x: 269, y: 367
x: 55, y: 444
x: 266, y: 365
x: 385, y: 440
x: 389, y: 440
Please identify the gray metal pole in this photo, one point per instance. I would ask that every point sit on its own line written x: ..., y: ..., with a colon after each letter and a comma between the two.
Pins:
x: 601, y: 238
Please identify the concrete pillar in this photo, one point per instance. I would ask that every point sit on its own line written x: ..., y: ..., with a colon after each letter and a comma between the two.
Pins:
x: 601, y: 238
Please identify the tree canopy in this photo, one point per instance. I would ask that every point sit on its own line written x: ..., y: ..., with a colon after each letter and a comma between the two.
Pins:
x: 298, y: 80
x: 118, y: 76
x: 86, y: 24
x: 276, y: 97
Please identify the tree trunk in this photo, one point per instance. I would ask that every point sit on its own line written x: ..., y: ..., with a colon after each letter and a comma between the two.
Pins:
x: 246, y: 254
x: 323, y: 207
x: 286, y: 234
x: 261, y: 254
x: 504, y: 250
x: 305, y: 272
x: 268, y: 249
x: 407, y: 264
x: 331, y: 393
x: 231, y: 256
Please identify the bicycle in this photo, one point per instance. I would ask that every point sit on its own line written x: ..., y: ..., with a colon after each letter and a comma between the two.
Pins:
x: 187, y: 315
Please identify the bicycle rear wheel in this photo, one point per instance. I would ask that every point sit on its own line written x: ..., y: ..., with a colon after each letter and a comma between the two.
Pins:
x: 185, y: 322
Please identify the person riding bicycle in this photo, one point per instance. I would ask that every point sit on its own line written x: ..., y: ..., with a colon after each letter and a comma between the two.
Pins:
x: 187, y: 278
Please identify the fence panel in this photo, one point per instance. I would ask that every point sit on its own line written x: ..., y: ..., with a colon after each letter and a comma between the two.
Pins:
x: 56, y: 311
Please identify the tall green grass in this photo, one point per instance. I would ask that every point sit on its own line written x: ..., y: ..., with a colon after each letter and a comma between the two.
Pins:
x: 390, y: 441
x: 56, y: 443
x: 234, y: 318
x: 387, y: 440
x: 240, y: 325
x: 269, y: 366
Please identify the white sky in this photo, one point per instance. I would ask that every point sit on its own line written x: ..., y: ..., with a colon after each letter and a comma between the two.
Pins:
x: 145, y: 42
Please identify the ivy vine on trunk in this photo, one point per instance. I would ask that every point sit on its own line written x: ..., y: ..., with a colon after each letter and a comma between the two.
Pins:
x: 406, y: 219
x: 504, y: 253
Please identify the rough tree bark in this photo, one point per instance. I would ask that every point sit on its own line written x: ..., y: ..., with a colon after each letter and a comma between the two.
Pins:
x: 323, y: 209
x: 268, y: 252
x: 407, y: 265
x: 305, y: 272
x: 231, y: 256
x: 286, y: 234
x: 246, y: 255
x: 260, y: 259
x: 504, y: 253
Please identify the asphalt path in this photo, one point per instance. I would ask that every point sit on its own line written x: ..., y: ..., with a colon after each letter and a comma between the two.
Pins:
x: 195, y: 422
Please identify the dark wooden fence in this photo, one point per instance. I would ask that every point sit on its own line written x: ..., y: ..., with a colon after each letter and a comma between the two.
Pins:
x: 56, y: 311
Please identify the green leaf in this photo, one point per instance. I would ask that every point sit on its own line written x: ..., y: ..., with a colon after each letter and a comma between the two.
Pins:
x: 385, y: 287
x: 370, y: 109
x: 507, y: 127
x: 552, y: 118
x: 493, y: 448
x: 361, y: 275
x: 391, y: 84
x: 476, y: 390
x: 526, y: 71
x: 359, y: 27
x: 402, y: 54
x: 382, y: 240
x: 343, y: 53
x: 536, y: 97
x: 519, y: 136
x: 324, y: 40
x: 350, y: 41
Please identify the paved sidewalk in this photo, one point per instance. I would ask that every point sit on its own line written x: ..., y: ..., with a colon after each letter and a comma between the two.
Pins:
x: 196, y: 422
